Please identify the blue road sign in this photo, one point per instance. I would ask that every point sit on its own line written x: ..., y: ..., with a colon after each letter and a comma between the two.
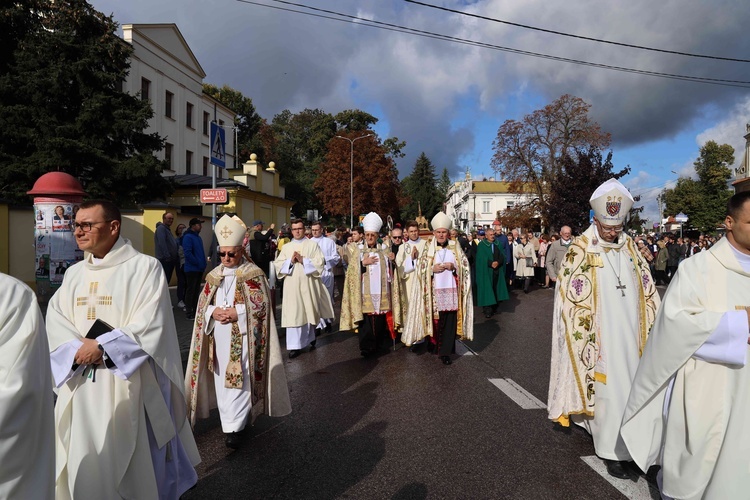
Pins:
x: 218, y: 146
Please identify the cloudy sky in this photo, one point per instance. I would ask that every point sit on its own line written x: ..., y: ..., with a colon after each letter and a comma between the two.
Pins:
x: 448, y: 99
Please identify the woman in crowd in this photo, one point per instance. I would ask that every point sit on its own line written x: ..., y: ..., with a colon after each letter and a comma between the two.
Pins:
x: 525, y: 262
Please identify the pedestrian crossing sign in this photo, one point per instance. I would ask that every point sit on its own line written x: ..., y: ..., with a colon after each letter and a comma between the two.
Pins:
x: 218, y: 146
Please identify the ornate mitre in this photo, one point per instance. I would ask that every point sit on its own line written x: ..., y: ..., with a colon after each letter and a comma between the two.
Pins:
x: 611, y: 202
x: 372, y: 222
x: 230, y: 231
x: 441, y: 221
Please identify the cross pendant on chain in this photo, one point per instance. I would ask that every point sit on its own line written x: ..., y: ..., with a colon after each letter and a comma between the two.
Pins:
x: 621, y: 287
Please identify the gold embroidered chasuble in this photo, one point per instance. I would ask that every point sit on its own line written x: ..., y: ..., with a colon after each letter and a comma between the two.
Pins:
x: 577, y: 358
x: 423, y: 308
x: 270, y: 393
x: 356, y: 303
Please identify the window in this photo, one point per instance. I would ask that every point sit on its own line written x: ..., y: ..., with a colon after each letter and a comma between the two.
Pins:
x: 221, y: 123
x: 189, y: 115
x: 168, y: 104
x: 145, y: 89
x: 205, y: 165
x: 206, y: 119
x: 168, y: 155
x: 510, y: 204
x: 188, y: 162
x: 486, y: 206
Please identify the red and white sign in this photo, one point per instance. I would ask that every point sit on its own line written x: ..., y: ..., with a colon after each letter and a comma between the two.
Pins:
x: 214, y: 196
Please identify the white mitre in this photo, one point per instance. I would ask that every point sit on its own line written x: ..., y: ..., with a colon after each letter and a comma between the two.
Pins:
x: 230, y: 231
x: 441, y: 221
x: 611, y: 203
x: 372, y: 222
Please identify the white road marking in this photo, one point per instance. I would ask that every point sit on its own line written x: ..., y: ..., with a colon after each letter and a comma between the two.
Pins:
x: 638, y: 490
x: 518, y: 394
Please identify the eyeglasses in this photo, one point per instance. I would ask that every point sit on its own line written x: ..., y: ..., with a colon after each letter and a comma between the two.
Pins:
x: 87, y: 226
x: 396, y: 237
x: 609, y: 229
x: 231, y: 255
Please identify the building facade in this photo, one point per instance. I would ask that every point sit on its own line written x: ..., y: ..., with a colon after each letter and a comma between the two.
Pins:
x: 476, y: 203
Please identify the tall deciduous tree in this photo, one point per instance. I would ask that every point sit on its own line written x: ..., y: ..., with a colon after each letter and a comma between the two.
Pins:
x: 529, y: 153
x: 301, y: 144
x: 568, y: 203
x: 247, y: 120
x: 61, y: 107
x: 354, y: 120
x: 420, y: 187
x: 375, y: 179
x: 704, y: 201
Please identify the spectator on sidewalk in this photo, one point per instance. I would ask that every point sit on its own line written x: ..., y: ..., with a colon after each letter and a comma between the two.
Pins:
x: 195, y: 264
x: 165, y: 245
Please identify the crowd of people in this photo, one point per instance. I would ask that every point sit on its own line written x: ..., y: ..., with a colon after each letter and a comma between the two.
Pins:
x: 654, y: 380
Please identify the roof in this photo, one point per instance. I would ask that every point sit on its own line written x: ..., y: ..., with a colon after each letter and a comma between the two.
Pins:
x: 492, y: 187
x: 195, y: 180
x: 168, y: 38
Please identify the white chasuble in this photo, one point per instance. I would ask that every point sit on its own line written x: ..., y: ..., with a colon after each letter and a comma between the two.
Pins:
x: 618, y: 354
x: 306, y: 299
x: 703, y: 441
x: 27, y: 445
x: 122, y: 432
x: 234, y: 403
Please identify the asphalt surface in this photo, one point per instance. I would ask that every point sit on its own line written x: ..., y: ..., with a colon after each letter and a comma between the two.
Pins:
x: 404, y: 426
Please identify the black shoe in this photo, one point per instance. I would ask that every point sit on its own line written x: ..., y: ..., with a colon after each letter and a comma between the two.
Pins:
x: 488, y: 315
x: 430, y: 346
x: 329, y: 328
x: 413, y: 348
x: 232, y: 440
x: 191, y: 317
x: 294, y: 353
x: 525, y: 291
x: 446, y: 360
x: 617, y: 469
x: 312, y: 345
x: 318, y: 332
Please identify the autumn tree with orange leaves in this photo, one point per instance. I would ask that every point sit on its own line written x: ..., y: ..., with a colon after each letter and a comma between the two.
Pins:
x: 376, y: 186
x: 529, y: 153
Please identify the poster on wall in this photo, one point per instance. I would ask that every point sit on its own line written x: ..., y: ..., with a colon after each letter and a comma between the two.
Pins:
x: 56, y: 248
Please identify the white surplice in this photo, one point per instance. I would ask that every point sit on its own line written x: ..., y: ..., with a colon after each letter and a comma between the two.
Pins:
x: 690, y: 403
x: 27, y: 438
x: 119, y: 432
x: 618, y: 356
x: 234, y: 404
x: 332, y: 257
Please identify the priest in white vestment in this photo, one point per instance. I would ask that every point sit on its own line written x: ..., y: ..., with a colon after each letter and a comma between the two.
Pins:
x: 689, y: 408
x: 235, y: 360
x: 406, y: 259
x: 332, y: 258
x: 300, y: 264
x: 27, y: 436
x: 120, y: 420
x: 441, y: 305
x: 605, y: 304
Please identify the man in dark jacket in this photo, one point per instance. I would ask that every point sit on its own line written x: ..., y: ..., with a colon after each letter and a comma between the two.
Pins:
x: 674, y: 257
x: 259, y: 244
x: 165, y: 245
x: 195, y: 264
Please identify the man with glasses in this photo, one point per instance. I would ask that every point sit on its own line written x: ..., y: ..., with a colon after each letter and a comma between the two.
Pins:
x: 300, y: 264
x: 120, y: 425
x: 556, y: 253
x: 195, y: 264
x: 234, y: 318
x: 605, y: 304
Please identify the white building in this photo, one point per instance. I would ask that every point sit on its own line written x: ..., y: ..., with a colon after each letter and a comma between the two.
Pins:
x: 165, y: 71
x: 473, y: 203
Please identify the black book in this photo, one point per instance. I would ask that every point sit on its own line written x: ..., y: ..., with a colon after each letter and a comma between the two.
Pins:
x: 98, y: 329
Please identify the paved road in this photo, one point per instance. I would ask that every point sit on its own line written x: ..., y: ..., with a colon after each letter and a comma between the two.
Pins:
x: 404, y: 426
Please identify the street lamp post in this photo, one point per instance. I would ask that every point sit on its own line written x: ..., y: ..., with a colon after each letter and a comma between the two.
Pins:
x: 351, y: 174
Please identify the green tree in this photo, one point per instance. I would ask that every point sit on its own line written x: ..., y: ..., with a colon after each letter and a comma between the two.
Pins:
x: 61, y: 107
x: 581, y: 173
x: 301, y: 143
x: 529, y: 153
x: 354, y: 120
x: 704, y: 200
x: 420, y: 188
x: 247, y: 120
x: 444, y: 184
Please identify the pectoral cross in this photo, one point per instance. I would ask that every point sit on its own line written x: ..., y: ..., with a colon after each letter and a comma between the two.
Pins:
x: 621, y: 287
x: 93, y: 300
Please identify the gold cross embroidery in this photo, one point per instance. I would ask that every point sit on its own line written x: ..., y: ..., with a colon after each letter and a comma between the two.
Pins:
x: 93, y: 300
x: 225, y: 232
